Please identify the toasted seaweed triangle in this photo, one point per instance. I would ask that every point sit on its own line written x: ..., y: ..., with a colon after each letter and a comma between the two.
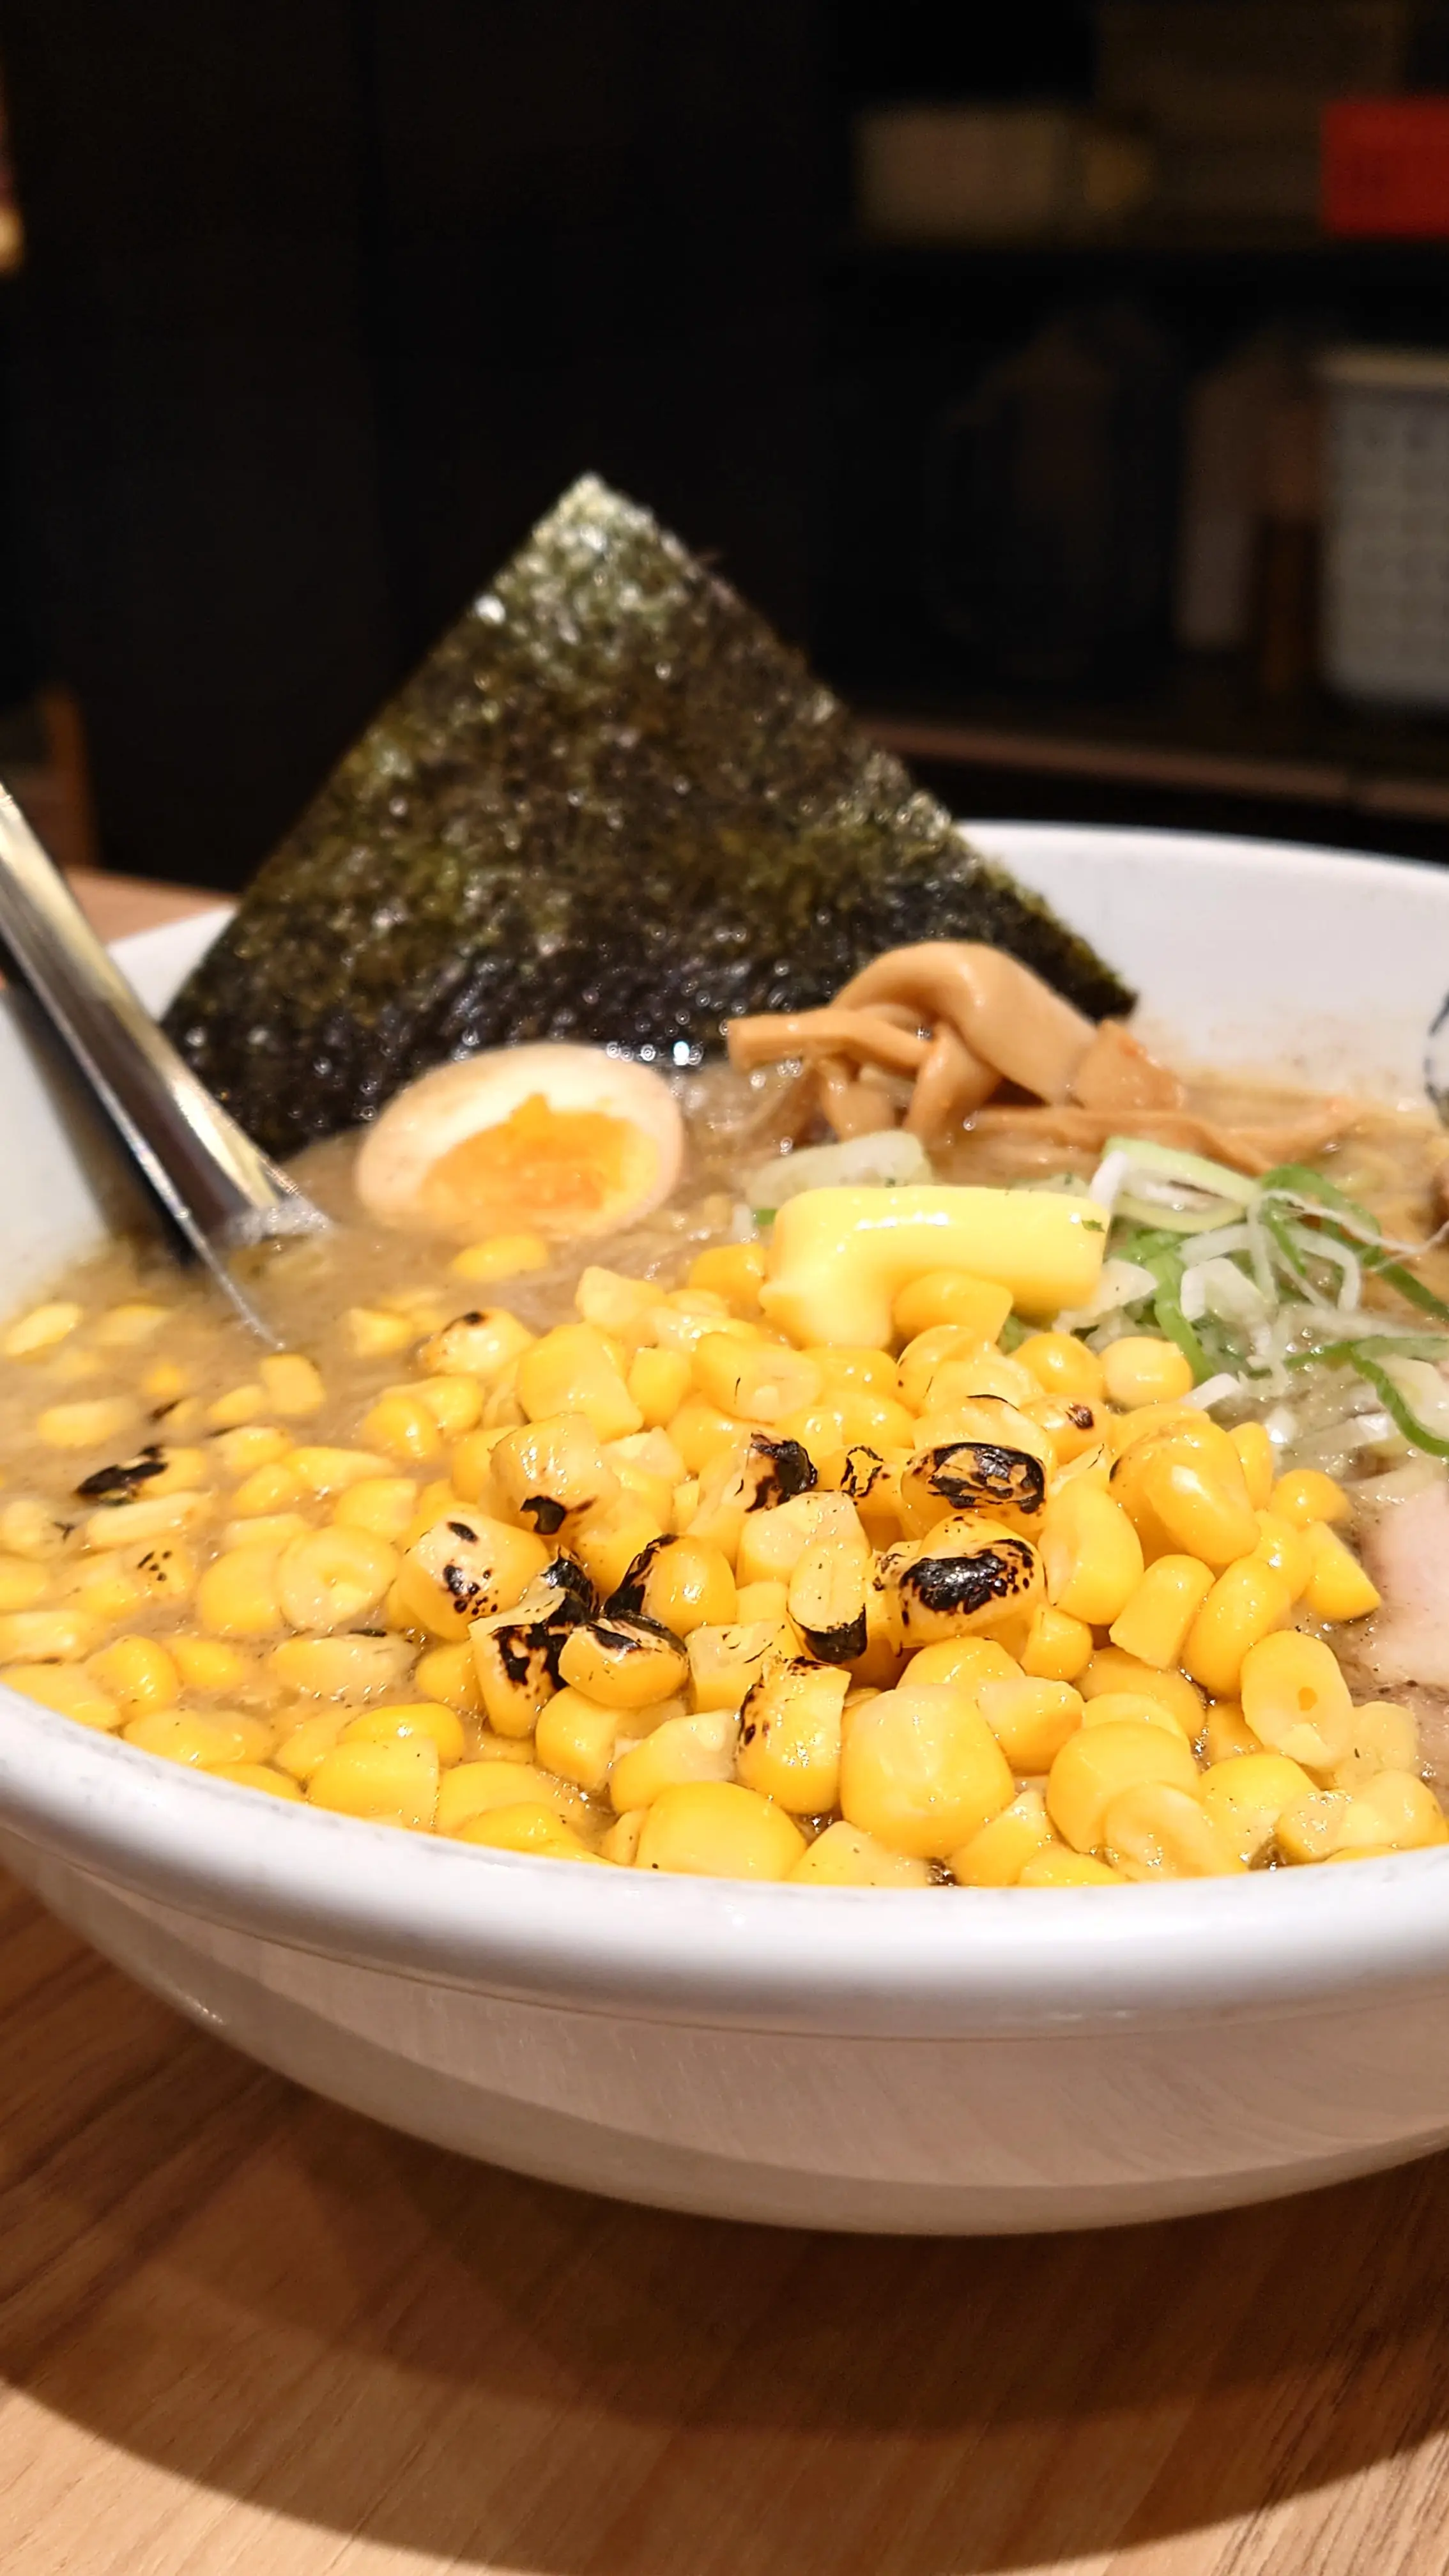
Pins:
x: 611, y: 805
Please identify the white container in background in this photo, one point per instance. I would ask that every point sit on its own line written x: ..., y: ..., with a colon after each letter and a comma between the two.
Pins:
x: 1385, y: 617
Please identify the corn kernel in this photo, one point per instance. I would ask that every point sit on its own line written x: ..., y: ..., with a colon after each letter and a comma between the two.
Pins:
x: 301, y: 1748
x: 1152, y: 1831
x: 612, y: 1538
x: 1111, y: 1670
x: 997, y: 1855
x: 552, y: 1472
x: 448, y: 1673
x: 238, y: 1595
x: 1315, y: 1827
x: 30, y: 1529
x: 384, y: 1506
x: 682, y: 1749
x: 1074, y: 1428
x: 1141, y: 1369
x: 454, y: 1401
x: 575, y: 1740
x: 163, y: 1382
x: 1063, y: 1868
x: 1246, y: 1794
x: 1287, y: 1550
x: 1155, y: 1618
x: 390, y: 1784
x: 138, y: 1673
x: 1385, y: 1738
x: 535, y: 1831
x: 205, y: 1664
x: 1337, y: 1586
x: 251, y: 1445
x: 88, y: 1423
x: 400, y: 1724
x: 716, y: 1829
x: 1226, y: 1733
x: 180, y: 1735
x: 1091, y: 1554
x: 1304, y: 1495
x: 732, y: 1271
x: 684, y: 1584
x: 1396, y: 1811
x: 658, y: 1383
x: 341, y: 1667
x: 47, y: 1636
x: 1245, y: 1604
x: 790, y: 1737
x: 464, y: 1567
x: 1185, y: 1491
x: 1138, y: 1708
x: 1098, y: 1762
x: 240, y: 1404
x: 68, y: 1688
x: 1030, y: 1719
x: 136, y: 1524
x: 41, y: 1330
x: 292, y: 1383
x: 965, y: 1662
x: 267, y: 1489
x: 621, y: 1843
x: 922, y: 1771
x: 501, y: 1256
x: 574, y: 1370
x: 481, y: 1788
x: 403, y: 1427
x: 1296, y: 1700
x: 369, y: 1334
x: 256, y: 1775
x: 21, y: 1585
x: 1255, y: 1456
x: 333, y: 1576
x: 979, y: 1306
x: 1063, y: 1366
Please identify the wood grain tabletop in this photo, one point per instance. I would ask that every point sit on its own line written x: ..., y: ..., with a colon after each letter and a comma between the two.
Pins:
x: 241, y: 2330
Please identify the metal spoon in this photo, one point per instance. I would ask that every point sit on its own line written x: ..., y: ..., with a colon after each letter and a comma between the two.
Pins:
x: 212, y: 1181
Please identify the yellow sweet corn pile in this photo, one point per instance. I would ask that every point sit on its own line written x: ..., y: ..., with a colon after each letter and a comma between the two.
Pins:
x: 790, y: 1572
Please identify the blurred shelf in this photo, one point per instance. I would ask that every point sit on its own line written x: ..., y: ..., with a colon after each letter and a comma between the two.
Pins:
x: 1145, y: 241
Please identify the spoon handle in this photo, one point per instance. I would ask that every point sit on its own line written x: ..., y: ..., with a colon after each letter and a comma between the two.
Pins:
x: 212, y: 1180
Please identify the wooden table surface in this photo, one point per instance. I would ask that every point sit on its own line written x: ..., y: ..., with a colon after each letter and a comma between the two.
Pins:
x: 241, y: 2330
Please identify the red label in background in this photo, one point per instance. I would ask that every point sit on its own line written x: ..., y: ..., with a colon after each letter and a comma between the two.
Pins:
x: 1386, y: 168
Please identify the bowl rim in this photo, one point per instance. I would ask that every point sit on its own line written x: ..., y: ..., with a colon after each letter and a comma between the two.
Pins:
x: 887, y: 1963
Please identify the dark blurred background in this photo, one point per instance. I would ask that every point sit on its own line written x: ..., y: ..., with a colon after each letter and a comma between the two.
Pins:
x: 1072, y: 380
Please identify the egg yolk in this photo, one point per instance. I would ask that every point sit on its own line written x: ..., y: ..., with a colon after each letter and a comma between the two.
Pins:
x: 561, y: 1169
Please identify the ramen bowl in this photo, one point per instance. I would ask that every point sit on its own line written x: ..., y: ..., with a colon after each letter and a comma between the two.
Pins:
x: 970, y: 2061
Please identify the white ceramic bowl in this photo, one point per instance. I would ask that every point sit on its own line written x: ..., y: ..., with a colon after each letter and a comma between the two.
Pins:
x: 968, y: 2062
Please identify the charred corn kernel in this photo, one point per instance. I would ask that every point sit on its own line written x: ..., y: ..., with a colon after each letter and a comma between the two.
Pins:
x: 573, y: 1369
x: 1287, y: 1550
x: 1137, y: 1708
x: 238, y: 1595
x: 552, y: 1472
x: 251, y: 1445
x: 1074, y: 1427
x: 30, y: 1529
x: 240, y: 1404
x: 840, y: 1257
x: 301, y: 1748
x: 166, y: 1572
x: 181, y: 1735
x: 1296, y: 1700
x: 845, y: 1857
x: 623, y: 1662
x: 621, y: 1842
x: 1257, y: 1460
x: 1143, y: 1369
x: 535, y: 1831
x: 611, y: 1538
x: 464, y: 1567
x: 501, y: 1256
x: 369, y: 1334
x: 716, y: 1829
x: 982, y: 1375
x: 332, y: 1576
x: 1091, y: 1554
x: 389, y: 1784
x: 21, y: 1585
x: 997, y: 1855
x: 383, y: 1506
x: 922, y: 1770
x: 1385, y: 1738
x: 658, y: 1383
x: 1305, y: 1495
x: 349, y: 1668
x: 256, y: 1775
x: 403, y: 1426
x: 1112, y: 1670
x: 268, y: 1489
x: 927, y: 1352
x: 205, y: 1664
x: 997, y: 1476
x: 436, y: 1502
x: 1337, y: 1586
x: 395, y: 1724
x: 86, y: 1423
x: 981, y: 1306
x: 684, y: 1584
x: 447, y: 1673
x: 68, y: 1688
x: 42, y: 1329
x: 1246, y: 1794
x: 1245, y: 1605
x: 966, y: 1576
x: 139, y: 1673
x: 136, y: 1524
x: 576, y: 1738
x: 516, y: 1662
x: 481, y: 1344
x: 683, y: 1749
x: 1030, y: 1719
x: 1097, y: 1763
x: 773, y: 1542
x: 826, y: 1599
x: 293, y: 1383
x: 1154, y: 1831
x: 1157, y: 1614
x: 1062, y: 1868
x: 1186, y: 1493
x: 163, y: 1382
x: 725, y: 1662
x: 268, y: 1529
x: 1226, y: 1733
x: 964, y: 1662
x: 47, y: 1636
x: 482, y: 1788
x: 1062, y: 1366
x: 790, y: 1736
x: 1395, y: 1811
x: 733, y: 1271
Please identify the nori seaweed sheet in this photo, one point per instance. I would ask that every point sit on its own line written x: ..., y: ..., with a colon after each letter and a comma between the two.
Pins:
x: 611, y: 806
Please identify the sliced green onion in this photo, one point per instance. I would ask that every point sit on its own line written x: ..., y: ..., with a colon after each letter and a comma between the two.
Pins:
x: 1193, y: 1171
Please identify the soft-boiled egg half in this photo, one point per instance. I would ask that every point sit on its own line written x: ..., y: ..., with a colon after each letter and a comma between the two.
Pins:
x: 564, y: 1139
